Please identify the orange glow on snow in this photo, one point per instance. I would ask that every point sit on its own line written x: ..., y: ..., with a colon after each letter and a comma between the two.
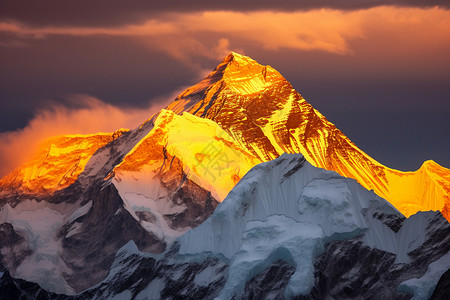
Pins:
x: 57, y: 164
x: 280, y: 120
x: 205, y: 153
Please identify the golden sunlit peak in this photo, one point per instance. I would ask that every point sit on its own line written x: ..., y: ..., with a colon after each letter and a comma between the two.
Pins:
x: 243, y: 75
x: 237, y: 73
x: 431, y: 163
x: 233, y: 56
x: 119, y: 132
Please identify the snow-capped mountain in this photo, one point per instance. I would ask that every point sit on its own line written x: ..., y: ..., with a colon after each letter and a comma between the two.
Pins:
x: 289, y: 229
x: 65, y: 214
x: 267, y: 117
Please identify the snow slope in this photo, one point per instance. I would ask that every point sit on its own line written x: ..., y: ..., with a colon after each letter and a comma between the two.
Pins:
x: 208, y: 155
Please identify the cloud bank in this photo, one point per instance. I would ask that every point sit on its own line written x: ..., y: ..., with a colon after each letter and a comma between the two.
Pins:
x: 116, y: 12
x: 212, y: 33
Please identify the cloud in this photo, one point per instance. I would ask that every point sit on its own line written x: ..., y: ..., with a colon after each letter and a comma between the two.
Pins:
x: 113, y: 13
x: 297, y: 30
x: 211, y: 33
x: 183, y: 34
x: 149, y: 28
x: 85, y: 115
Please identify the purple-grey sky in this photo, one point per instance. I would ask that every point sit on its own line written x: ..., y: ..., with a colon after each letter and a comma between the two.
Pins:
x: 379, y: 70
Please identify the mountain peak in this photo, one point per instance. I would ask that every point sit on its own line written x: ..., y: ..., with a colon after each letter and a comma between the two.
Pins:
x: 237, y: 74
x: 239, y: 58
x: 244, y: 75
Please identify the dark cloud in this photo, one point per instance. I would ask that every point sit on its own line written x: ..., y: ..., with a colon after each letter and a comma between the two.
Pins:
x: 118, y: 12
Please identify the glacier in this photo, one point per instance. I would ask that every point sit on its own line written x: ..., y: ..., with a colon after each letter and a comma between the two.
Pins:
x: 39, y: 224
x: 422, y: 288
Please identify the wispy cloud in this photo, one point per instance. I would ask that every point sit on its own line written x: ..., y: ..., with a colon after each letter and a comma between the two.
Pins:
x: 87, y: 115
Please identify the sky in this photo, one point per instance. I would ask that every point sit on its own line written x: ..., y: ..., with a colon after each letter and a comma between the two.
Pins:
x: 379, y: 70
